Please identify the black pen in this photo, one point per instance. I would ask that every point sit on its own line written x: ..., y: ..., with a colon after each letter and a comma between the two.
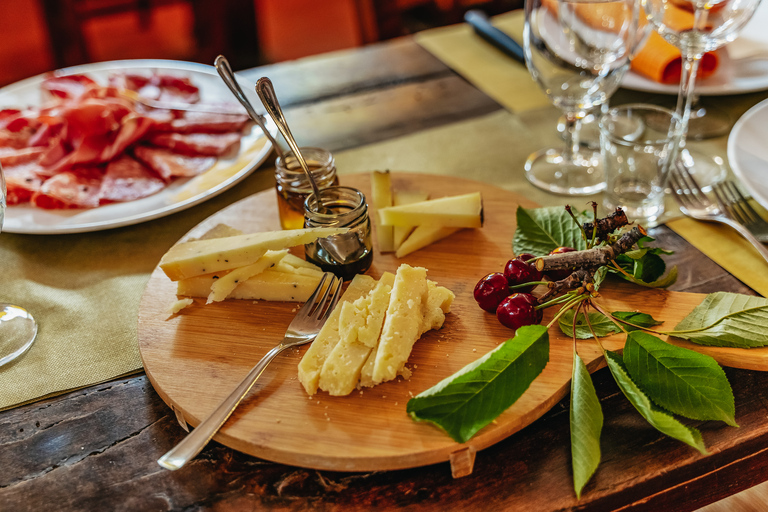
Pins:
x: 482, y: 25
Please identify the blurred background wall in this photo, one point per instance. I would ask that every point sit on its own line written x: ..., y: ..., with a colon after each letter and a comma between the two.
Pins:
x: 42, y: 35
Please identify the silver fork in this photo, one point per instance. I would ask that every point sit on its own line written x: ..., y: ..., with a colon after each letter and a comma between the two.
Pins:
x: 303, y: 328
x: 695, y: 203
x: 728, y: 194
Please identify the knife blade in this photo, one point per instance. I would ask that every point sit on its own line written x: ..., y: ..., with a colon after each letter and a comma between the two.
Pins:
x: 501, y: 40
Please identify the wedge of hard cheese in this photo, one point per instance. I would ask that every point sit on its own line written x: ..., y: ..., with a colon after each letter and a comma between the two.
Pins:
x: 423, y: 236
x: 381, y: 196
x: 463, y: 211
x: 360, y: 325
x: 403, y: 197
x: 222, y: 287
x: 267, y: 285
x: 312, y: 362
x: 190, y: 259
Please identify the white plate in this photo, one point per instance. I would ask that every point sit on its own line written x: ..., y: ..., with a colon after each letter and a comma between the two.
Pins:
x: 748, y: 152
x: 179, y: 195
x: 743, y: 65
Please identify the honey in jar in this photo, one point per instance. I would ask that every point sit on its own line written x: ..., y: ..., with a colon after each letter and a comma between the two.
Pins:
x: 293, y: 186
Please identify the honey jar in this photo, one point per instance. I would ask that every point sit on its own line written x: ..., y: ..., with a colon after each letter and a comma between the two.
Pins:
x: 293, y: 186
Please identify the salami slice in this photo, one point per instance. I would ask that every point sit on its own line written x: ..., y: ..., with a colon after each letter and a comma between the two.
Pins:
x: 127, y: 179
x: 71, y: 189
x: 22, y: 181
x: 214, y: 144
x: 168, y: 164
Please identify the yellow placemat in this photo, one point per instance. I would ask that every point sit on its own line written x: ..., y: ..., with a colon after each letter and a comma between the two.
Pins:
x: 84, y: 291
x: 496, y: 74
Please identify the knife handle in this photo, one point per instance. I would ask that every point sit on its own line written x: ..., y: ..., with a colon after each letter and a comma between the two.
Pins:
x: 501, y: 40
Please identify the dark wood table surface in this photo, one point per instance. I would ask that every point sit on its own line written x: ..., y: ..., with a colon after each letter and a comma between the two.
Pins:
x: 96, y: 448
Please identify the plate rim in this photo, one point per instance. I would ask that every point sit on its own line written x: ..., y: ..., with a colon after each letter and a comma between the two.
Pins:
x: 732, y: 150
x: 154, y: 213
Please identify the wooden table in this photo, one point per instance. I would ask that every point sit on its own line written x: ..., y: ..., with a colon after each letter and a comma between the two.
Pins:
x: 95, y: 449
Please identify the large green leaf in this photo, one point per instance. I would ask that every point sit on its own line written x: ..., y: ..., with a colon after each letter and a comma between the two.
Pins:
x: 602, y: 325
x: 586, y: 425
x: 658, y: 418
x: 474, y: 396
x: 678, y: 379
x: 635, y: 318
x: 541, y: 230
x: 727, y: 320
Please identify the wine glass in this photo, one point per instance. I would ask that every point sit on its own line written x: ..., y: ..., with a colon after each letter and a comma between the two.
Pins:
x: 578, y: 52
x: 17, y: 327
x: 696, y: 27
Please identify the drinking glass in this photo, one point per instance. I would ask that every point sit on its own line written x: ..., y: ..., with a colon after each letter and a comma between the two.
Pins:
x: 578, y: 52
x: 713, y: 23
x: 17, y: 327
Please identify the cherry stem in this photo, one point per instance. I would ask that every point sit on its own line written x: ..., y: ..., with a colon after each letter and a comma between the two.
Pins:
x: 566, y: 297
x: 523, y: 285
x: 568, y: 305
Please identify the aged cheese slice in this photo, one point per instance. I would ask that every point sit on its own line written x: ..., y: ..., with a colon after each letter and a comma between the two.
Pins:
x: 189, y: 259
x: 225, y: 284
x: 360, y: 325
x: 381, y: 197
x: 402, y: 197
x: 283, y: 266
x: 297, y: 262
x: 423, y: 236
x: 463, y: 211
x: 402, y: 326
x: 267, y: 285
x: 311, y: 364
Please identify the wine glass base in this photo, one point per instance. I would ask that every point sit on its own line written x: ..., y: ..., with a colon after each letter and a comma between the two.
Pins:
x: 707, y: 124
x: 18, y: 330
x: 706, y: 170
x: 581, y: 175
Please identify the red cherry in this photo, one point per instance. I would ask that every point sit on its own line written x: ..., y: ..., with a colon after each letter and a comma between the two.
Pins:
x: 517, y: 271
x: 557, y: 275
x: 518, y: 310
x: 491, y: 290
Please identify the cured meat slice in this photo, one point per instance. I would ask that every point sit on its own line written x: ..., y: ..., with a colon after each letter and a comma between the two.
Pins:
x: 68, y: 87
x: 205, y: 122
x: 22, y: 181
x: 197, y: 143
x: 168, y: 164
x: 71, y: 189
x: 13, y: 156
x: 127, y: 179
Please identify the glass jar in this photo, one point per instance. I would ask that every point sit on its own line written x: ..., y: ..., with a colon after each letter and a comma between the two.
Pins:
x: 293, y: 186
x: 347, y: 254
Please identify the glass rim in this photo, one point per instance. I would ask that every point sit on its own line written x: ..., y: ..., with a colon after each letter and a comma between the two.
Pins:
x: 360, y: 204
x: 326, y: 161
x: 673, y: 132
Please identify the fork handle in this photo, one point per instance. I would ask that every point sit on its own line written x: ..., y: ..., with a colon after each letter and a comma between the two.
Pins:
x: 191, y: 445
x: 743, y: 231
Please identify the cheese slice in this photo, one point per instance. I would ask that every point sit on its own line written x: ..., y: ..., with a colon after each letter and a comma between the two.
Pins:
x: 423, y: 236
x: 297, y: 262
x: 381, y: 197
x: 463, y: 211
x: 224, y: 285
x: 401, y: 197
x: 402, y: 326
x: 267, y: 285
x: 360, y: 325
x: 189, y: 259
x: 311, y: 364
x: 283, y: 266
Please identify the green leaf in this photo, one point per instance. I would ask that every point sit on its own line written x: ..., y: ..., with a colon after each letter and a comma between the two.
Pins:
x: 635, y: 319
x: 649, y: 268
x: 600, y: 276
x: 680, y: 380
x: 727, y: 320
x: 602, y: 325
x: 658, y: 418
x: 586, y: 425
x: 663, y: 282
x: 474, y: 396
x: 541, y: 230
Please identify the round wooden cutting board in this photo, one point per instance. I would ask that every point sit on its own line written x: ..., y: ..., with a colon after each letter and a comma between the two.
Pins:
x: 195, y: 358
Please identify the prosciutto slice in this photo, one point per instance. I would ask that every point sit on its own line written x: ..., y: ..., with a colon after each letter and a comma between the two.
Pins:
x: 13, y: 156
x: 127, y: 179
x: 22, y: 181
x: 168, y: 164
x: 197, y: 143
x: 71, y: 189
x: 205, y: 122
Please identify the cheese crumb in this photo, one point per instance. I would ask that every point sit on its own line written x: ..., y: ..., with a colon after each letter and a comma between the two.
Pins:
x: 179, y: 305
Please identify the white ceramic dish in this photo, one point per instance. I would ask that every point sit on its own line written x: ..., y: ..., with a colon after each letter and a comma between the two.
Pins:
x: 748, y: 152
x: 181, y: 194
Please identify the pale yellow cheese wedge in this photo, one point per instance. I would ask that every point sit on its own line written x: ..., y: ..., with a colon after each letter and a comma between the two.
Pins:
x: 189, y: 259
x: 423, y: 236
x: 360, y: 325
x: 267, y: 285
x: 381, y: 197
x: 402, y: 197
x: 402, y: 326
x: 224, y: 285
x: 283, y: 266
x: 297, y: 262
x: 311, y: 364
x: 463, y: 211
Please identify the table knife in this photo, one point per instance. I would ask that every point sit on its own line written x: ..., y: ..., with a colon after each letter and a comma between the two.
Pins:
x: 482, y: 26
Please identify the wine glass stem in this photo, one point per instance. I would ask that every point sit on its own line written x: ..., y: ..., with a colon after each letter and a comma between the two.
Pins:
x: 686, y: 96
x: 571, y: 136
